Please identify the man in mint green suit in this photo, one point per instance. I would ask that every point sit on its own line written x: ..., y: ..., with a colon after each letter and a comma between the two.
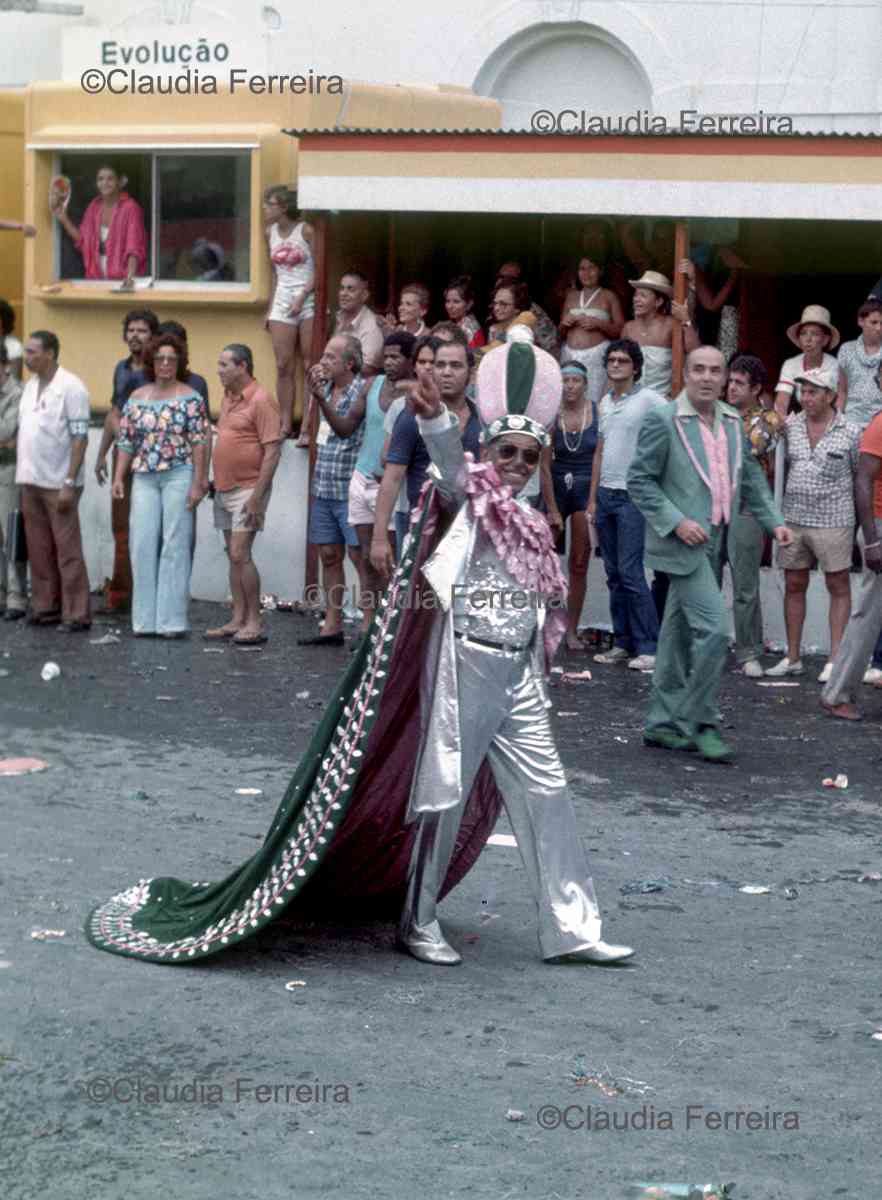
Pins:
x: 689, y: 476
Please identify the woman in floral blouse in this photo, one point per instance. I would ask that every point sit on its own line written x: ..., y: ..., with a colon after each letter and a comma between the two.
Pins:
x: 163, y: 435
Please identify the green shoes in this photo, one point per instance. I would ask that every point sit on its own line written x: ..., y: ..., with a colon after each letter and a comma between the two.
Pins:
x: 707, y: 742
x: 667, y: 739
x: 711, y: 746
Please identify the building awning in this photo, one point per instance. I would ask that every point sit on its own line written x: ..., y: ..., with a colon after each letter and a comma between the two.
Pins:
x: 806, y: 177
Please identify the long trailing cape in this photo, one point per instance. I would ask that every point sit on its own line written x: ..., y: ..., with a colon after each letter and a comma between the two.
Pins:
x: 341, y: 829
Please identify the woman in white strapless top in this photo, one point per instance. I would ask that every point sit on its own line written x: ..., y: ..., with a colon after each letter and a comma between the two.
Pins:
x: 292, y: 305
x: 591, y: 318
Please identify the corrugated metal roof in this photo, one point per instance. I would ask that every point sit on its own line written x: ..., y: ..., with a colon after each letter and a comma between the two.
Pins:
x: 668, y: 135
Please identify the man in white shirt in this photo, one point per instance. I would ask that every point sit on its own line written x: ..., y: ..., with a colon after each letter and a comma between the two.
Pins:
x: 354, y: 316
x: 619, y: 523
x: 52, y: 436
x: 13, y: 574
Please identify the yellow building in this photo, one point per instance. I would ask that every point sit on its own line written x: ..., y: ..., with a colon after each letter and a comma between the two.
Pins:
x: 12, y: 252
x: 198, y: 166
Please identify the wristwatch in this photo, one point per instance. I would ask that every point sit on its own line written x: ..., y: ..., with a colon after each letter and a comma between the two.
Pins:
x: 69, y: 482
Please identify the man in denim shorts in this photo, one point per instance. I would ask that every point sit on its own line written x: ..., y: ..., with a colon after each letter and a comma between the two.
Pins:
x: 336, y: 382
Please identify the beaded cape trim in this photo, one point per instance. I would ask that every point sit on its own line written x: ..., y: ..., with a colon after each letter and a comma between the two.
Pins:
x: 114, y: 925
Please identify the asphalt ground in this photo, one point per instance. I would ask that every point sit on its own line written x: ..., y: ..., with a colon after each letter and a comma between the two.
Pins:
x: 378, y: 1076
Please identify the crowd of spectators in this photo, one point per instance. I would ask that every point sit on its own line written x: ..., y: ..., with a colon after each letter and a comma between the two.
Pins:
x: 816, y: 432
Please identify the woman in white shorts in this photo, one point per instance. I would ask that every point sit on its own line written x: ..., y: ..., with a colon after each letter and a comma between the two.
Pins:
x: 592, y: 316
x: 292, y: 305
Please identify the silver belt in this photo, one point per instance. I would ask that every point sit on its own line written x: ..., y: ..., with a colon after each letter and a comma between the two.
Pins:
x: 506, y: 646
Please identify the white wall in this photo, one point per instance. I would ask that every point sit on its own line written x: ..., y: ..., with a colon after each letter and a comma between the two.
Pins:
x: 279, y: 550
x: 816, y: 61
x: 280, y: 554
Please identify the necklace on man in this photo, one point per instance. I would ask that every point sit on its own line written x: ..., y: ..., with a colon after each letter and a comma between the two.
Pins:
x: 572, y: 447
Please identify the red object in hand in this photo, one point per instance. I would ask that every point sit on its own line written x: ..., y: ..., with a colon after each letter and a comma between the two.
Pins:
x: 59, y: 192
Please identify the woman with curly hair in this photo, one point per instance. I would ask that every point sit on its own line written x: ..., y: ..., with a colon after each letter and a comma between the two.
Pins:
x: 162, y: 440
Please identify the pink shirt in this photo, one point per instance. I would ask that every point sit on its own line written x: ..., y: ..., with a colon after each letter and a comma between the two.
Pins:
x: 127, y: 236
x: 716, y: 447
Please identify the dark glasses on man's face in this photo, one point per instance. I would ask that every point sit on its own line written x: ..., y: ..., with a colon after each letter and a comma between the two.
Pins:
x: 618, y: 360
x: 508, y: 453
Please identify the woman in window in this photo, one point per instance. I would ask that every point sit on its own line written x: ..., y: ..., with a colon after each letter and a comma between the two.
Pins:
x: 292, y: 305
x: 162, y: 440
x: 111, y: 236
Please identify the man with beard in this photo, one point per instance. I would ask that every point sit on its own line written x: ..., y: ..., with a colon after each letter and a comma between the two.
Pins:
x: 139, y: 326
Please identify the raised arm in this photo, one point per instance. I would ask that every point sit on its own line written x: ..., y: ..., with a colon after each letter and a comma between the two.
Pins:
x: 440, y: 431
x: 345, y: 426
x: 65, y: 222
x: 19, y: 227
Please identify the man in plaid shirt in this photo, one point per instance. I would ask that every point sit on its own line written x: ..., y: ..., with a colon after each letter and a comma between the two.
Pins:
x: 822, y: 459
x: 337, y: 384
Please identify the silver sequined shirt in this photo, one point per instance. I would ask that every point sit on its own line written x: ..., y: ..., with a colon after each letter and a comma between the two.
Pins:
x: 490, y: 603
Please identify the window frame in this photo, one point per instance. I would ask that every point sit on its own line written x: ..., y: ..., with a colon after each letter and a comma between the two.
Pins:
x: 201, y: 287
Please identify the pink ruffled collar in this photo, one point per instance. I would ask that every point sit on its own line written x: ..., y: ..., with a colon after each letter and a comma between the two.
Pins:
x: 520, y: 535
x: 522, y: 538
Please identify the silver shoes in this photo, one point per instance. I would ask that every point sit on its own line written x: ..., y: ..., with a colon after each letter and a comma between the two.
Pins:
x: 600, y: 952
x: 429, y: 946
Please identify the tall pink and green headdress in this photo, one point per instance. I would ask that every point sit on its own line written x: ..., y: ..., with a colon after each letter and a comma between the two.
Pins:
x: 518, y: 390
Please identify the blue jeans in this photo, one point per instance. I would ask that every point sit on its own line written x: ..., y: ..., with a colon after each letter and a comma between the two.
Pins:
x: 160, y: 530
x: 620, y: 530
x: 877, y: 653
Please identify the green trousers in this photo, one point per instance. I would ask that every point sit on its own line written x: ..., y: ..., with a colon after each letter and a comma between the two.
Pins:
x: 745, y: 550
x: 692, y: 647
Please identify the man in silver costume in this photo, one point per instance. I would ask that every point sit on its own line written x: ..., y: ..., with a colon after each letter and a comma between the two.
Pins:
x: 484, y: 695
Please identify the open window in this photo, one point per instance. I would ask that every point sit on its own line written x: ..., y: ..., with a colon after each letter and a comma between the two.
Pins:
x: 196, y: 207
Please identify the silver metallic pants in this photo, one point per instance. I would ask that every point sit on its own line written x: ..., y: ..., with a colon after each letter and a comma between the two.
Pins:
x: 503, y: 719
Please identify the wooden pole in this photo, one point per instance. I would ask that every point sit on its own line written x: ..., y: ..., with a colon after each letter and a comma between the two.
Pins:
x: 319, y: 340
x: 681, y: 287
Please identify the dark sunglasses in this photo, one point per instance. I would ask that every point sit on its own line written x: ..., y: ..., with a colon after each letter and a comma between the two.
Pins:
x: 508, y: 453
x: 620, y: 359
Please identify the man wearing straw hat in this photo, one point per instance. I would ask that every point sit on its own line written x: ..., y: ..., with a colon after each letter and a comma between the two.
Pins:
x: 814, y: 334
x: 822, y: 449
x: 652, y: 327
